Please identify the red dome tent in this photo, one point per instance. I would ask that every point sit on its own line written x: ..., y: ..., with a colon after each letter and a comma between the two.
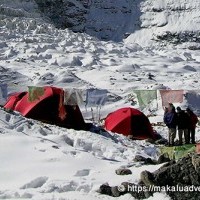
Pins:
x: 47, y: 108
x: 129, y: 121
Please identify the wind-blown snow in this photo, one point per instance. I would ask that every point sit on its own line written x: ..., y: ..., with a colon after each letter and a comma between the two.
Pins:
x: 40, y: 161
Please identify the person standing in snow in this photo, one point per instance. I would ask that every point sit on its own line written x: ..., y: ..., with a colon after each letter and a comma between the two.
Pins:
x: 192, y: 125
x: 170, y: 119
x: 183, y: 122
x: 165, y: 110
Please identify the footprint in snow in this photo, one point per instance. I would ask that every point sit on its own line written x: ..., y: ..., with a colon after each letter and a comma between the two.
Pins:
x: 189, y: 68
x: 2, y: 131
x: 20, y: 129
x: 84, y: 172
x: 36, y: 183
x: 42, y: 132
x: 8, y: 117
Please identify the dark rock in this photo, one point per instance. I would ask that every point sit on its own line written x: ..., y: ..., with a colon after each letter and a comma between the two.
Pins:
x: 149, y: 161
x: 64, y: 14
x: 139, y: 158
x: 183, y: 174
x: 105, y: 189
x: 147, y: 178
x: 178, y: 38
x: 141, y: 195
x: 161, y: 141
x: 150, y: 140
x: 116, y: 191
x: 123, y: 171
x: 163, y: 158
x: 194, y: 47
x: 196, y: 162
x: 171, y: 162
x: 128, y: 185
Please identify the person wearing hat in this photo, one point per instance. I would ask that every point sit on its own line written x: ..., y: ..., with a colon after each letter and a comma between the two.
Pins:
x: 183, y: 122
x: 192, y: 125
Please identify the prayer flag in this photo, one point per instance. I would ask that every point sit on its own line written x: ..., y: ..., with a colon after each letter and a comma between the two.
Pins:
x: 34, y: 93
x: 145, y: 97
x: 171, y: 96
x: 96, y: 97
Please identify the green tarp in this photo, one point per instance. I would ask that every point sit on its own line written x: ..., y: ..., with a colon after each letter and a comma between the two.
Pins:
x: 178, y: 152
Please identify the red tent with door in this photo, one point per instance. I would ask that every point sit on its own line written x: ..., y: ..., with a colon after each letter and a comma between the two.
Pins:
x: 48, y: 108
x: 129, y: 121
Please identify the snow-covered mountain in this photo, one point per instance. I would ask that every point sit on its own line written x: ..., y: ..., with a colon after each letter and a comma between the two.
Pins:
x: 113, y: 45
x: 30, y: 39
x: 173, y: 21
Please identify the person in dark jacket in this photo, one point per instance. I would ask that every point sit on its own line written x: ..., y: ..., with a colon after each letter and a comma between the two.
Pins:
x: 183, y: 123
x: 192, y: 125
x: 170, y: 119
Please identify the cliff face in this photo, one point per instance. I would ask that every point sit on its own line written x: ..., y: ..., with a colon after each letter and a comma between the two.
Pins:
x: 65, y: 14
x: 160, y: 20
x: 107, y: 20
x: 113, y: 19
x: 137, y: 21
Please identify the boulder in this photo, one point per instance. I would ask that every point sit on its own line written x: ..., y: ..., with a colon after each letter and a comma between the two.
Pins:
x: 105, y: 189
x: 139, y: 158
x: 161, y: 141
x: 163, y: 158
x: 147, y: 178
x: 122, y: 171
x: 196, y: 162
x: 116, y: 191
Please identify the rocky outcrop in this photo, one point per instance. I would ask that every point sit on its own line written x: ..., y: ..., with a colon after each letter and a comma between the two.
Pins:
x: 180, y: 180
x: 135, y: 21
x: 178, y: 38
x: 65, y: 14
x: 104, y: 19
x: 165, y: 22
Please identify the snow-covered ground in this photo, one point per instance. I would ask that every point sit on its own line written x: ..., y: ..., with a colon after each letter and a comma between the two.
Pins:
x: 40, y: 161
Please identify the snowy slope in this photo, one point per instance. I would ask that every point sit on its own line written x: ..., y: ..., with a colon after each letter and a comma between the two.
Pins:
x: 43, y: 161
x: 34, y: 48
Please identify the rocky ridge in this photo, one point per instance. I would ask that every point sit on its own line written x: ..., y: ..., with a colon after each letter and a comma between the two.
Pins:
x: 180, y: 180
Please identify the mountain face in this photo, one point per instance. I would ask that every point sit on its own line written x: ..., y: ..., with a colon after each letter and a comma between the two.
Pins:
x: 137, y: 20
x: 162, y: 20
x: 106, y: 20
x: 65, y: 14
